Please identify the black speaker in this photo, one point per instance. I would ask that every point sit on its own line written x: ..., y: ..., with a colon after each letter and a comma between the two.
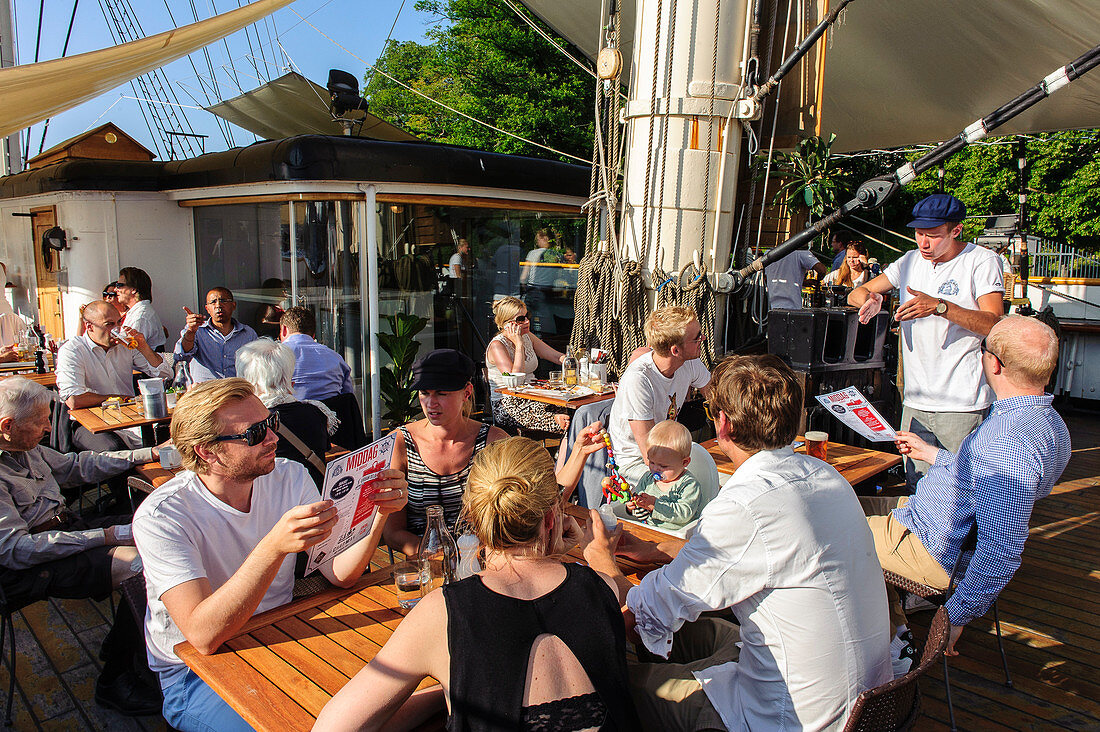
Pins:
x: 831, y: 338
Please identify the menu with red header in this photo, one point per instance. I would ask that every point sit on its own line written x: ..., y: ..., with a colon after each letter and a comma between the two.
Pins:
x: 852, y: 408
x: 350, y: 483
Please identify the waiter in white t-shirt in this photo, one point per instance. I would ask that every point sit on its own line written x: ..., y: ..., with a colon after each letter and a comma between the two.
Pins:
x: 785, y: 278
x: 952, y: 294
x: 654, y: 385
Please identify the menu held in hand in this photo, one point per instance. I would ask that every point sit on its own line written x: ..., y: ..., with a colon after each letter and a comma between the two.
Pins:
x: 350, y: 483
x: 852, y: 408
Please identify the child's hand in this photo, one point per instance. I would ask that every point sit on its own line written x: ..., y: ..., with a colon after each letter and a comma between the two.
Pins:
x: 643, y: 501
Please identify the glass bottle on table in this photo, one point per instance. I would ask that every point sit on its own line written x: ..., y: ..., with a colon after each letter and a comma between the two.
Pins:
x: 569, y: 370
x: 438, y: 554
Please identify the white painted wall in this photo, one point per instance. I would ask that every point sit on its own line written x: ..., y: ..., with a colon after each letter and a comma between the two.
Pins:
x: 106, y: 231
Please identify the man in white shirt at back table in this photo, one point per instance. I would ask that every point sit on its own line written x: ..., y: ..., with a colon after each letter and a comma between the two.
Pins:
x: 655, y: 384
x: 952, y: 294
x: 785, y: 278
x: 785, y: 546
x: 219, y: 540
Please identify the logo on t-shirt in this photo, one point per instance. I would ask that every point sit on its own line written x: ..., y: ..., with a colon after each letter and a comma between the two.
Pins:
x: 951, y: 287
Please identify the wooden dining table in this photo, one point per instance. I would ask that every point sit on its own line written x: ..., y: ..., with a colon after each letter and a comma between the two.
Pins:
x: 560, y: 401
x: 856, y: 464
x: 107, y: 419
x: 48, y: 379
x: 286, y: 663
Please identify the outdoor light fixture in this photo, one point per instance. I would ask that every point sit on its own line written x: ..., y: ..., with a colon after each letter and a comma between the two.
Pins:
x: 344, y: 91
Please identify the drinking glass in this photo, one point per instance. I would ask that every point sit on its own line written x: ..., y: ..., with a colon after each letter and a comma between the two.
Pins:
x: 817, y: 444
x: 556, y: 381
x: 406, y: 580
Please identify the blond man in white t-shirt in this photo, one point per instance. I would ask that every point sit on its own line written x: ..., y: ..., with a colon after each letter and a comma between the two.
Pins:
x: 951, y: 294
x: 655, y: 384
x: 219, y: 540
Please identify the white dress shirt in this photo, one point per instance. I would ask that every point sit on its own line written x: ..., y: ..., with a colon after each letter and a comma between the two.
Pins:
x: 787, y: 547
x: 144, y: 319
x: 83, y: 367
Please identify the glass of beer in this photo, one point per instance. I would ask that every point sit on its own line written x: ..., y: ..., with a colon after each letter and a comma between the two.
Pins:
x: 406, y: 580
x: 817, y: 444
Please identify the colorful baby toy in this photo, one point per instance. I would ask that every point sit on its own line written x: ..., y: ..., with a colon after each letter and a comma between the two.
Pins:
x: 615, y: 488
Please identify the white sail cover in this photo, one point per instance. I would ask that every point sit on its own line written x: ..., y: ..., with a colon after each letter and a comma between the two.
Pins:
x: 31, y: 93
x: 294, y: 105
x: 899, y: 72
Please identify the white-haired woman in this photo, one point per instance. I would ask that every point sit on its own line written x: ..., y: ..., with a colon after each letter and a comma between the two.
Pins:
x: 269, y: 367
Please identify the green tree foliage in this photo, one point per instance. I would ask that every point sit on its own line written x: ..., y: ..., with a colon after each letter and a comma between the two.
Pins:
x: 1063, y: 185
x: 488, y: 63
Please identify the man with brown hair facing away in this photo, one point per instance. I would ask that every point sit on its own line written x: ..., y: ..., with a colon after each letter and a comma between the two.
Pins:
x: 785, y: 547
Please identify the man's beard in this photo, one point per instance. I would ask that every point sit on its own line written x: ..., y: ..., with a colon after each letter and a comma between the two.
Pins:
x: 249, y: 469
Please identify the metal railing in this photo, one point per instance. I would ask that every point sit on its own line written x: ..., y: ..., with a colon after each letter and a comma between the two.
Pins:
x: 1053, y: 259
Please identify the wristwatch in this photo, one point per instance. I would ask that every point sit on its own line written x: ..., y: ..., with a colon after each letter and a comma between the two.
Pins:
x: 941, y: 308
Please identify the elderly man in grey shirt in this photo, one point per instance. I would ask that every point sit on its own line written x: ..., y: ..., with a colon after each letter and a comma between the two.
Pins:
x: 45, y: 551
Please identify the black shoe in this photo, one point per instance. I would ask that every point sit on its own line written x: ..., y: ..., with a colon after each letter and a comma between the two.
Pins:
x: 128, y: 695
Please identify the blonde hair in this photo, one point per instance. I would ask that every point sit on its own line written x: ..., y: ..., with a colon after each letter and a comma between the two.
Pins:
x: 1027, y: 347
x: 506, y: 309
x: 761, y: 399
x: 195, y: 419
x: 671, y: 435
x: 666, y: 327
x: 510, y: 489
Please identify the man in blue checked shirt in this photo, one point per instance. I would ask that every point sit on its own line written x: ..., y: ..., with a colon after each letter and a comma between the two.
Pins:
x: 210, y: 345
x: 1013, y: 459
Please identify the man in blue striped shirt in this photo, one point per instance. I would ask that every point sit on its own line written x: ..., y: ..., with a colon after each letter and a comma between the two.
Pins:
x: 1013, y: 459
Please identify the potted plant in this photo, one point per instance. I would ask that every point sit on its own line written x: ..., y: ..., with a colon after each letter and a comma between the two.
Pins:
x: 401, y: 346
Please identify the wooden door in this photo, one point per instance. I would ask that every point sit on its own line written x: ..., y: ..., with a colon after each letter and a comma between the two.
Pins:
x: 49, y: 292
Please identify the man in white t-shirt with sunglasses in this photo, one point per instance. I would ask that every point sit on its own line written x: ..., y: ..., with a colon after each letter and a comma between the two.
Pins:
x: 219, y: 540
x: 951, y: 294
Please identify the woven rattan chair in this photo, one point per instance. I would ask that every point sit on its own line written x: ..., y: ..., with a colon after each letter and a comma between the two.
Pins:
x: 896, y: 704
x: 940, y: 597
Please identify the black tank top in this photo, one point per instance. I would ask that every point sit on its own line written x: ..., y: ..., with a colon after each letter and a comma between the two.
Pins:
x: 490, y: 637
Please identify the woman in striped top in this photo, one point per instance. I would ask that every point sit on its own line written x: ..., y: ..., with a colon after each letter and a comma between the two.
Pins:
x: 437, y: 452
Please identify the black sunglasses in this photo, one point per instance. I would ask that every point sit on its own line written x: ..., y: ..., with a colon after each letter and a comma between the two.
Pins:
x: 520, y: 319
x: 108, y: 294
x: 256, y: 433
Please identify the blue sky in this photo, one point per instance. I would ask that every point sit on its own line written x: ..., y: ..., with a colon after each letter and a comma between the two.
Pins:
x: 360, y: 26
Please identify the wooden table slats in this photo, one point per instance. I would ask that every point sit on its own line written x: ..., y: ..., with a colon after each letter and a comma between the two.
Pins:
x: 48, y: 379
x: 100, y: 419
x: 856, y: 464
x: 557, y: 402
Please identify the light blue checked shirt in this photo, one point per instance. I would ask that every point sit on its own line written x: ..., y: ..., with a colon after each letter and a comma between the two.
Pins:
x: 319, y: 371
x: 1012, y: 460
x: 213, y: 355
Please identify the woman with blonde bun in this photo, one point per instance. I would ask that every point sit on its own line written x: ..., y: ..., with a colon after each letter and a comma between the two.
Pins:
x: 516, y: 655
x: 516, y: 350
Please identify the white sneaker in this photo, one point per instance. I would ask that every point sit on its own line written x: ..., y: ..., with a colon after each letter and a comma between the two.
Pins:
x: 902, y: 653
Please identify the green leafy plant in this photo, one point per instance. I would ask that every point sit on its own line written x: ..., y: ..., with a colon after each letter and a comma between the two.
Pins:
x: 813, y: 179
x: 401, y: 346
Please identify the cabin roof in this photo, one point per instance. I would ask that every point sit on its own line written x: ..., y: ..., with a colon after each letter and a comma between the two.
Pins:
x: 308, y: 158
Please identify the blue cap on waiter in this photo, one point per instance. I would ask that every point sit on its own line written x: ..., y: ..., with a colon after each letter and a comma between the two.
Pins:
x: 936, y: 210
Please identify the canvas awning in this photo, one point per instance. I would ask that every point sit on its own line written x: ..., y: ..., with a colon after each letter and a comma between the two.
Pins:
x: 34, y: 92
x: 910, y: 71
x: 294, y: 105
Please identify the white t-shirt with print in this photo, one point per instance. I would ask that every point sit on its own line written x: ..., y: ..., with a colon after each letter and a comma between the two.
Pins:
x: 184, y: 533
x: 645, y: 393
x: 942, y: 361
x: 785, y: 279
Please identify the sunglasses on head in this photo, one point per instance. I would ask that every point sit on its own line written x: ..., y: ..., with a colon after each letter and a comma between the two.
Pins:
x: 256, y: 433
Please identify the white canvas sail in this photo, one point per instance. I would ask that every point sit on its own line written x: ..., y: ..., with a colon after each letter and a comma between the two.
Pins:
x: 32, y: 92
